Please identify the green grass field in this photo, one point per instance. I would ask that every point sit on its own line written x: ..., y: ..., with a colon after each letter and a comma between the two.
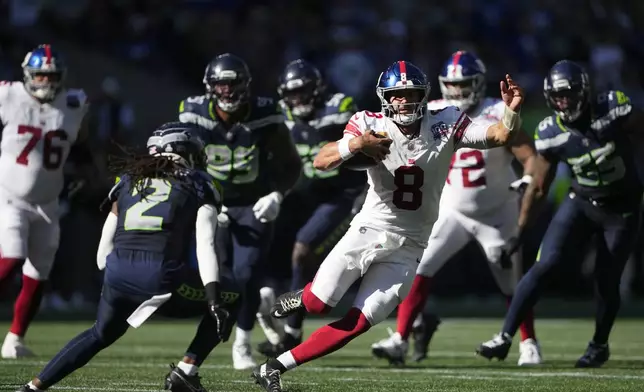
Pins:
x: 139, y: 361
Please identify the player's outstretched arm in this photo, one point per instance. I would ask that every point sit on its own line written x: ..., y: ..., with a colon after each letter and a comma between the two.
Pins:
x: 333, y: 154
x: 501, y: 133
x: 522, y: 147
x: 205, y: 229
x: 106, y: 245
x: 544, y: 172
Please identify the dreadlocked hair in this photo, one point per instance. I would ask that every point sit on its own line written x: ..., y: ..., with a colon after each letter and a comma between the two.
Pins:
x: 142, y: 167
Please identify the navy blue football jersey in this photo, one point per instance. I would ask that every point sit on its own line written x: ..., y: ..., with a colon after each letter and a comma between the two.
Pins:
x: 161, y: 216
x: 327, y: 124
x: 600, y: 156
x: 237, y: 157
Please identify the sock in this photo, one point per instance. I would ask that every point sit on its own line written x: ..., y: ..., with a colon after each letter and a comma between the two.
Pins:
x: 295, y: 332
x: 6, y: 267
x: 312, y: 303
x: 413, y: 304
x: 26, y: 305
x: 188, y: 369
x: 331, y: 337
x: 241, y: 336
x: 527, y: 326
x: 204, y: 341
x: 286, y: 362
x: 33, y: 387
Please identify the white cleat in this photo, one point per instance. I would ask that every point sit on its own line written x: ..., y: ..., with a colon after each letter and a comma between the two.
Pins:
x: 14, y: 347
x: 242, y: 357
x: 529, y: 353
x: 393, y: 348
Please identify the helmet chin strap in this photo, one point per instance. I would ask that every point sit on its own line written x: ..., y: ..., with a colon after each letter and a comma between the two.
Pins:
x: 178, y: 159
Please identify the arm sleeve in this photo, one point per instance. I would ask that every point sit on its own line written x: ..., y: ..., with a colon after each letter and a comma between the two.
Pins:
x: 471, y: 134
x: 206, y: 227
x: 106, y: 245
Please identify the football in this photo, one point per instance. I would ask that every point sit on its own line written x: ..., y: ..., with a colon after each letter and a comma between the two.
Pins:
x: 359, y: 161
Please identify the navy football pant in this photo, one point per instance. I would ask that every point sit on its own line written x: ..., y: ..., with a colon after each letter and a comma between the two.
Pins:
x: 122, y: 293
x: 574, y: 224
x: 243, y: 247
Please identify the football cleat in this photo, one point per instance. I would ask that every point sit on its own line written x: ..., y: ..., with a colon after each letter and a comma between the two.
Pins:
x: 498, y: 347
x: 274, y: 350
x: 529, y: 353
x: 268, y: 378
x: 287, y: 304
x: 26, y: 388
x: 178, y: 381
x: 595, y: 356
x: 393, y: 349
x: 14, y: 347
x: 243, y: 357
x: 423, y: 333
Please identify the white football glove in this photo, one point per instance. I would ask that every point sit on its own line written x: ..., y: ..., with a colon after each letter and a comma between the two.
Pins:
x: 521, y: 184
x: 268, y: 207
x: 222, y: 219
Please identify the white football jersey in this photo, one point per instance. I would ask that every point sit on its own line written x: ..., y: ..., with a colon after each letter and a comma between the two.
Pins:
x: 36, y: 140
x: 405, y: 188
x: 478, y: 180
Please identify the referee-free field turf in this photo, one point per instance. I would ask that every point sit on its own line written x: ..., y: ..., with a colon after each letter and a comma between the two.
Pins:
x: 139, y: 362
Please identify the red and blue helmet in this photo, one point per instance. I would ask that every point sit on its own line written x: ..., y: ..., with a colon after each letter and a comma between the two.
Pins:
x: 462, y: 80
x: 567, y: 90
x: 44, y: 72
x: 403, y: 76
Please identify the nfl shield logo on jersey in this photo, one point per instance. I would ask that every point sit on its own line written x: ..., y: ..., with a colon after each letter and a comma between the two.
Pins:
x: 439, y: 130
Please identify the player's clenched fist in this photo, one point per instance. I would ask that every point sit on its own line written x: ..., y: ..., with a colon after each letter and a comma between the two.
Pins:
x: 374, y: 145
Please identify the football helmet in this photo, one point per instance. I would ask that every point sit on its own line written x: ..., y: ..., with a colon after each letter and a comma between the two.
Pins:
x: 462, y: 80
x: 227, y: 78
x: 300, y: 87
x: 567, y: 90
x: 180, y: 141
x: 403, y: 77
x: 44, y: 73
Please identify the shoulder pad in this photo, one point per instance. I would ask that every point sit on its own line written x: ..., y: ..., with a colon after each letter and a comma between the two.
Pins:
x: 436, y: 105
x: 340, y: 103
x: 76, y: 98
x: 191, y: 103
x: 547, y: 127
x: 120, y: 182
x: 363, y: 121
x: 445, y: 110
x: 4, y: 89
x: 493, y: 109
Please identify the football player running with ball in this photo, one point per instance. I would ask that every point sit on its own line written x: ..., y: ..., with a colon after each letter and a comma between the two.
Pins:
x: 477, y: 204
x: 161, y: 201
x: 599, y: 136
x: 42, y: 124
x: 387, y: 237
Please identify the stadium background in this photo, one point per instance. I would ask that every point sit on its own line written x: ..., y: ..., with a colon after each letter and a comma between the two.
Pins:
x: 138, y: 59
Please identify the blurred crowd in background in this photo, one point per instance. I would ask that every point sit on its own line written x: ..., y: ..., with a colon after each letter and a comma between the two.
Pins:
x: 137, y: 59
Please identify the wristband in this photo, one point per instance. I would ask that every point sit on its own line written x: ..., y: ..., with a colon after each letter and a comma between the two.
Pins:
x: 511, y: 119
x: 343, y: 149
x: 527, y: 179
x: 213, y: 292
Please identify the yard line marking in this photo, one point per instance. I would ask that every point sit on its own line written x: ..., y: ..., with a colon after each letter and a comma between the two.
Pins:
x: 317, y: 369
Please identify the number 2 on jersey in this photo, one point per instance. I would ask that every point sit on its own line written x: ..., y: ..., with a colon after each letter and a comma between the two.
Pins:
x: 135, y: 218
x: 52, y: 155
x: 466, y: 172
x: 408, y: 195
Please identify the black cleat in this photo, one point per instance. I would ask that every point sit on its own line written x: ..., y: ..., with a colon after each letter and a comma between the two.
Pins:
x: 270, y: 350
x: 287, y: 304
x: 423, y: 336
x: 178, y: 381
x: 268, y: 378
x: 25, y: 388
x: 498, y: 347
x: 595, y: 356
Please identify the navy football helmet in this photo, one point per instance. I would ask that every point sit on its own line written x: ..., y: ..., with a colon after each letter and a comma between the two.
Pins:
x: 567, y: 90
x: 300, y: 87
x: 400, y: 79
x: 44, y: 73
x: 462, y: 80
x: 180, y: 141
x: 227, y: 78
